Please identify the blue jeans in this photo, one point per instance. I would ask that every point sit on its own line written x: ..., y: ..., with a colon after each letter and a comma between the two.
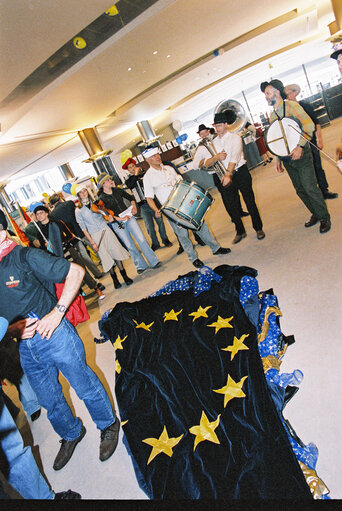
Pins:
x: 149, y: 218
x: 131, y: 228
x: 42, y: 360
x: 27, y: 396
x: 183, y: 238
x: 20, y: 468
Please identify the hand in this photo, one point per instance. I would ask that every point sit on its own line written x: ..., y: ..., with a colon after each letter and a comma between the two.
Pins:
x: 124, y: 218
x: 23, y: 329
x: 296, y: 153
x: 320, y: 144
x: 48, y: 324
x: 134, y: 209
x: 95, y: 247
x: 110, y: 219
x: 339, y: 165
x: 279, y: 167
x: 221, y: 156
x: 158, y: 213
x: 226, y: 180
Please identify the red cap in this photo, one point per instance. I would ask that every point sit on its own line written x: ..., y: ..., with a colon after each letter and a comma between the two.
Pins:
x: 127, y: 162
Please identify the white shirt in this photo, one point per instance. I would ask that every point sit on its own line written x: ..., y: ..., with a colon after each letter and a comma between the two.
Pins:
x: 201, y: 154
x: 231, y: 143
x: 160, y: 183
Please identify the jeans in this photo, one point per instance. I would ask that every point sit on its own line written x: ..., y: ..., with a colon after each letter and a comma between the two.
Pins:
x: 242, y: 181
x: 17, y: 462
x: 149, y: 218
x: 303, y: 177
x: 131, y: 228
x: 27, y: 396
x: 183, y: 238
x: 42, y: 360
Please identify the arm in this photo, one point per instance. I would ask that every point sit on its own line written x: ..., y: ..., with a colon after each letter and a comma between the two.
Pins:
x: 47, y: 325
x: 153, y: 206
x: 319, y: 136
x: 91, y: 241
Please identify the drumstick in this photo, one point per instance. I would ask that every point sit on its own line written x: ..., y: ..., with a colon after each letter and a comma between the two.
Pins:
x: 314, y: 145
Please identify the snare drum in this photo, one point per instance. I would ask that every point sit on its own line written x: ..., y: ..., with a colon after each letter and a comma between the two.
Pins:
x: 187, y: 204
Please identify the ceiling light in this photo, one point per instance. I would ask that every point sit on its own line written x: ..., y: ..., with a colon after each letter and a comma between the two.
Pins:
x: 168, y: 56
x: 129, y: 69
x: 155, y: 52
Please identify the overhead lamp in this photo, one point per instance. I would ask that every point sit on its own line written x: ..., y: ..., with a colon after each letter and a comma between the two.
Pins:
x: 95, y: 157
x: 155, y: 52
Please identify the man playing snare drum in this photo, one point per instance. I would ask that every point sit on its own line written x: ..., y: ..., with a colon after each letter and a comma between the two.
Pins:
x: 159, y: 181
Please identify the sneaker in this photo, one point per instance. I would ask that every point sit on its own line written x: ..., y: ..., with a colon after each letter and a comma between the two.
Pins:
x: 99, y: 293
x: 222, y: 251
x: 238, y: 238
x: 109, y: 440
x: 197, y: 263
x: 167, y: 243
x: 66, y: 450
x: 260, y: 234
x: 67, y: 495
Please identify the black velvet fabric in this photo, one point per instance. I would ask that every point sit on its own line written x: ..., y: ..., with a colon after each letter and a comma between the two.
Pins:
x: 167, y: 379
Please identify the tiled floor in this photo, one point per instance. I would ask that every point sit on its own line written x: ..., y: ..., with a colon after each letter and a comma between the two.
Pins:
x: 303, y: 267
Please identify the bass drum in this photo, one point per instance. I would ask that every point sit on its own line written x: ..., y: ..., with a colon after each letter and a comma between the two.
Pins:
x: 187, y: 204
x: 282, y: 136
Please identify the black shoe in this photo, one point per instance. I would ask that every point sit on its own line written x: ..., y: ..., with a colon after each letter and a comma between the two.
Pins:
x: 109, y: 440
x: 155, y: 247
x: 330, y: 195
x: 260, y: 234
x: 197, y: 263
x: 313, y: 221
x: 244, y: 213
x: 116, y: 282
x: 126, y: 278
x: 141, y: 270
x: 167, y: 243
x: 325, y: 226
x: 67, y: 495
x: 222, y: 251
x: 66, y: 450
x: 238, y: 238
x: 158, y: 265
x: 101, y: 287
x: 35, y: 415
x: 180, y: 250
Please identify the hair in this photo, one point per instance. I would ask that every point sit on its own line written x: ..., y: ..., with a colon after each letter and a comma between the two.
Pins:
x: 54, y: 199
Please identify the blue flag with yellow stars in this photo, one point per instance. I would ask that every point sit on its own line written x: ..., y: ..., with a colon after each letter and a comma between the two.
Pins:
x: 197, y: 415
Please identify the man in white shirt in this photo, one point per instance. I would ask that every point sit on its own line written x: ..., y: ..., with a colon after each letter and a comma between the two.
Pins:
x: 228, y: 148
x: 159, y: 181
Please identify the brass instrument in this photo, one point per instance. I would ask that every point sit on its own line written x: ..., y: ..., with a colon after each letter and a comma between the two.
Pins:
x: 234, y: 107
x: 218, y: 166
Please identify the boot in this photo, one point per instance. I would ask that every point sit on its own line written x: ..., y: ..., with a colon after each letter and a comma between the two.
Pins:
x: 126, y: 278
x: 115, y: 279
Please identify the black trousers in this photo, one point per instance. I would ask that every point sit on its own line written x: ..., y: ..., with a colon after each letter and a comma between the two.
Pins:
x: 242, y: 181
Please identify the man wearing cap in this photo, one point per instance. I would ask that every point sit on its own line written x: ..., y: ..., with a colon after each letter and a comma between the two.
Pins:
x: 159, y: 181
x: 292, y: 92
x: 337, y: 55
x: 135, y: 182
x: 126, y: 226
x: 299, y: 163
x: 49, y: 344
x: 229, y: 151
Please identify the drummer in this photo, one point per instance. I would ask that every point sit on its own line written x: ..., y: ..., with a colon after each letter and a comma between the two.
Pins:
x: 159, y: 181
x: 299, y: 163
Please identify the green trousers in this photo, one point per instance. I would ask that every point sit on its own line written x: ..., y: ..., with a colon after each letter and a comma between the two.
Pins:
x: 303, y: 177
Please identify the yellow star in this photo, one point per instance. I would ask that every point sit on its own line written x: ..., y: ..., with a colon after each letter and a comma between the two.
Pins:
x: 118, y: 342
x: 222, y: 323
x: 172, y: 315
x: 236, y: 346
x: 232, y: 389
x: 143, y: 325
x: 123, y: 423
x: 200, y: 312
x: 205, y: 430
x: 162, y: 444
x: 117, y: 367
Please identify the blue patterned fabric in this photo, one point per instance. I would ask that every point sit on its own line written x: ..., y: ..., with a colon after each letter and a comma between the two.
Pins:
x: 198, y: 281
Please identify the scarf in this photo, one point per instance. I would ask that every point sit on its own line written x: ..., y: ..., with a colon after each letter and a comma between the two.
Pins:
x: 6, y: 245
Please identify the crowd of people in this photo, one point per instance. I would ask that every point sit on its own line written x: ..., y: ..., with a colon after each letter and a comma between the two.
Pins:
x: 77, y: 244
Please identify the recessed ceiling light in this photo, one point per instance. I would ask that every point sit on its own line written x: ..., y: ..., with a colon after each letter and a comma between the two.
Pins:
x: 155, y: 52
x: 168, y: 56
x: 129, y: 69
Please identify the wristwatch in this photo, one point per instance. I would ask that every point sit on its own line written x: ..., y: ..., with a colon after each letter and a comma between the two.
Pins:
x: 61, y: 308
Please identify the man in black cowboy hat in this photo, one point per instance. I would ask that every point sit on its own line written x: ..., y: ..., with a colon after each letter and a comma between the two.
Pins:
x: 229, y: 152
x: 299, y: 163
x: 337, y: 55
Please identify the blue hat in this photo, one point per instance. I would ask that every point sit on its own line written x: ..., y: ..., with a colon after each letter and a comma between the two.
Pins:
x: 34, y: 205
x: 3, y: 327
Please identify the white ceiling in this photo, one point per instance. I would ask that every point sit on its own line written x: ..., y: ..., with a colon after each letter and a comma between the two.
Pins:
x: 99, y: 90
